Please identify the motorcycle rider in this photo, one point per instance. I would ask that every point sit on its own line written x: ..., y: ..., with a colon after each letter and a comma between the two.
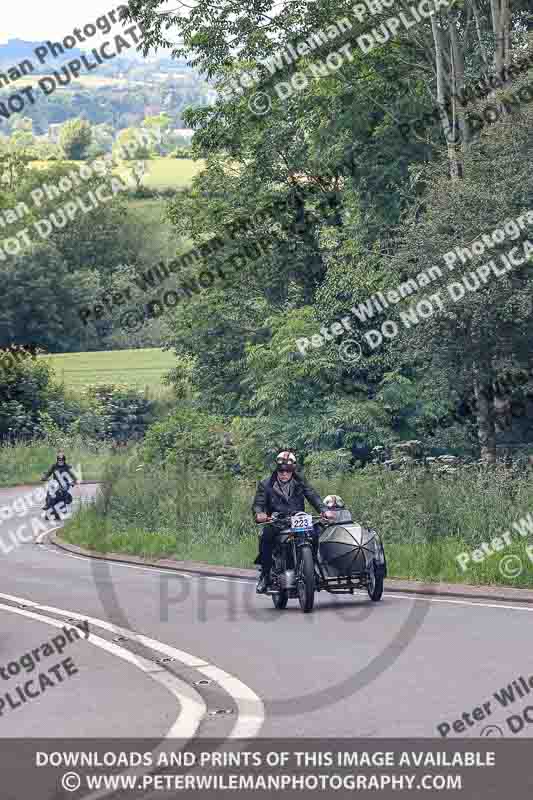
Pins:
x: 283, y: 492
x: 65, y: 478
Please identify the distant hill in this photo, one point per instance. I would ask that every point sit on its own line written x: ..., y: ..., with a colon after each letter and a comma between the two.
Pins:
x: 120, y: 93
x: 16, y: 50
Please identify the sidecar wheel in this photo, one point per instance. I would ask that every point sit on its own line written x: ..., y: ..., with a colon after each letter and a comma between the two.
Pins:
x: 375, y: 584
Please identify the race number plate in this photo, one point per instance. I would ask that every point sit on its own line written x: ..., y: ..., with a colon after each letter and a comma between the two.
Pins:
x: 301, y: 523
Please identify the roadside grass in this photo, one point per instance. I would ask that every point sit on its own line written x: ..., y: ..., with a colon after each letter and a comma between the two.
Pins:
x: 424, y: 522
x: 142, y: 368
x: 175, y: 521
x: 209, y: 546
x: 438, y: 562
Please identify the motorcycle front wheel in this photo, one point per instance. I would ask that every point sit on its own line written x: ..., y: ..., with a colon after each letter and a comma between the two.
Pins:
x: 306, y: 580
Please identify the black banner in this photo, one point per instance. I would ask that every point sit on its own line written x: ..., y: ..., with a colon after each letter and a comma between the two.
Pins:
x: 56, y: 769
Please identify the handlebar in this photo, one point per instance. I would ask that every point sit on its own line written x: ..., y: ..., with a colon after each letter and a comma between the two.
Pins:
x: 287, y: 517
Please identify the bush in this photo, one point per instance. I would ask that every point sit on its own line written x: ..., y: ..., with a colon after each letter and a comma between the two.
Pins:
x: 148, y: 193
x: 26, y: 389
x: 33, y: 406
x: 192, y: 439
x: 119, y: 413
x: 327, y: 463
x: 167, y: 512
x: 182, y: 152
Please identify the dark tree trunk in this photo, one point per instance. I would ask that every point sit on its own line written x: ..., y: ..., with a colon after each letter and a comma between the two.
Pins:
x: 486, y: 428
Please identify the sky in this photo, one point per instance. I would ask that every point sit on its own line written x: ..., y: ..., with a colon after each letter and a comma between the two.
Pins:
x: 37, y: 20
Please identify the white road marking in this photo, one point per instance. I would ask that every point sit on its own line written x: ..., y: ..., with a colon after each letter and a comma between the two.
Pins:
x: 245, y: 698
x: 41, y: 536
x: 191, y: 705
x: 249, y: 704
x: 499, y: 604
x: 192, y: 708
x: 393, y: 595
x: 154, y: 570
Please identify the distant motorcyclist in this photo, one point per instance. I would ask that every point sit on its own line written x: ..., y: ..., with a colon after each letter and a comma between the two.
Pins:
x: 65, y: 479
x: 284, y: 492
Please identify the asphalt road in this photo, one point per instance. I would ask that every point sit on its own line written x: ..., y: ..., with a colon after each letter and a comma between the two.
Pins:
x: 238, y: 667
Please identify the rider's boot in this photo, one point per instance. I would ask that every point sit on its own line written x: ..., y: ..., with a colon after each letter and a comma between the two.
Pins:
x: 262, y: 584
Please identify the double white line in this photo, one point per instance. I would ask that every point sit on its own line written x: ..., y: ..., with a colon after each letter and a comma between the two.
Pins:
x: 250, y: 707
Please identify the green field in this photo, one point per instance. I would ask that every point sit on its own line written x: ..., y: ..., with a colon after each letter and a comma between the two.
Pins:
x: 162, y: 173
x: 140, y: 368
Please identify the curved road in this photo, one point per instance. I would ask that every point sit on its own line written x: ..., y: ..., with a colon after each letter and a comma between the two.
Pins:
x: 233, y: 665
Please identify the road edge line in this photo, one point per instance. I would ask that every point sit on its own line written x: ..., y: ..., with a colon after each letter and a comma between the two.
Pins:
x: 464, y: 591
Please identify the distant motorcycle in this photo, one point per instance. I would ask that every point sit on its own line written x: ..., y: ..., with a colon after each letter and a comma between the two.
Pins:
x: 56, y: 493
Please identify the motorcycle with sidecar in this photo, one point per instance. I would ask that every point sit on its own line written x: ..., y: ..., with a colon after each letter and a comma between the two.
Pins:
x: 344, y: 557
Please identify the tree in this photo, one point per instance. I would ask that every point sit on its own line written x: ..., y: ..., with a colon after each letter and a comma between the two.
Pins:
x: 14, y: 170
x: 132, y: 153
x: 469, y: 341
x: 75, y: 138
x: 354, y: 193
x: 42, y: 301
x: 160, y: 126
x: 26, y: 388
x: 102, y: 138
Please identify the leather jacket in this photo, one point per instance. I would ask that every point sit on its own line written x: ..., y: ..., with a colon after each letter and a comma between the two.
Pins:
x: 270, y: 498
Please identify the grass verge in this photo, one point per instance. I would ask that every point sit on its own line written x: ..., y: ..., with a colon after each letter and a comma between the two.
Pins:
x: 425, y: 522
